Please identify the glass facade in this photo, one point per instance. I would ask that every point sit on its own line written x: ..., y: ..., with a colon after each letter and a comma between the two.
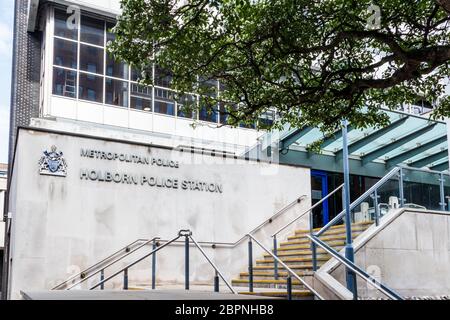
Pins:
x: 421, y: 190
x: 84, y: 70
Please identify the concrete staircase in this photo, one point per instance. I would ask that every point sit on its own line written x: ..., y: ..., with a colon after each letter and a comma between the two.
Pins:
x: 296, y: 253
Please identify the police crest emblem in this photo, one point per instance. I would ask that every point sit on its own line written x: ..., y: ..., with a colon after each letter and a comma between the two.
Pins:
x: 53, y: 163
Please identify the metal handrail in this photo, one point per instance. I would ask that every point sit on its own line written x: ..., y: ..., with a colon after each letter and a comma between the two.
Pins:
x: 353, y: 267
x: 308, y: 210
x: 112, y: 262
x: 359, y: 200
x: 232, y: 245
x: 213, y: 265
x: 135, y: 262
x: 286, y: 267
x: 269, y: 220
x: 181, y: 233
x: 87, y: 270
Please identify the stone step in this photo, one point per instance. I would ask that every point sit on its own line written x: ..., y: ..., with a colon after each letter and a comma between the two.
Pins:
x: 266, y: 275
x: 268, y: 283
x: 297, y: 294
x: 307, y: 245
x: 337, y: 229
x: 295, y: 267
x: 326, y: 237
x: 299, y: 253
x: 307, y: 259
x: 307, y: 248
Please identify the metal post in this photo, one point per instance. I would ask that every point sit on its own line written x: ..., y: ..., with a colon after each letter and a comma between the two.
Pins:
x: 102, y: 277
x: 313, y: 245
x: 441, y: 190
x: 289, y: 287
x: 275, y: 262
x: 250, y: 265
x: 186, y: 262
x: 314, y: 256
x: 377, y: 209
x: 125, y: 279
x: 216, y: 283
x: 400, y: 188
x: 349, y: 252
x: 154, y: 266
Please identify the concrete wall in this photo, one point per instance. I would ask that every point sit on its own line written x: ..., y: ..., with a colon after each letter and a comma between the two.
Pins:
x: 3, y: 183
x: 61, y: 225
x: 411, y: 255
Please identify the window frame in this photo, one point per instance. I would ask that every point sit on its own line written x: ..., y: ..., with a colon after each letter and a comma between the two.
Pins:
x: 128, y: 79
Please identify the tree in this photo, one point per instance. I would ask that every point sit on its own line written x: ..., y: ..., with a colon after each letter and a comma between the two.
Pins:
x: 316, y: 62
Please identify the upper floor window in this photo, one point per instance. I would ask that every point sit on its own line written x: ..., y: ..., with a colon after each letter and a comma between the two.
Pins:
x: 92, y: 31
x: 65, y: 53
x: 84, y: 70
x: 65, y: 26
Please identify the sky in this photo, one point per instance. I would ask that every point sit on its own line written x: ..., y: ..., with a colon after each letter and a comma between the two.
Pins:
x: 6, y: 35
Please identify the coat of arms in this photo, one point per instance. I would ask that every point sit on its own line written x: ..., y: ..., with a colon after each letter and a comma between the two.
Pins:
x: 53, y: 163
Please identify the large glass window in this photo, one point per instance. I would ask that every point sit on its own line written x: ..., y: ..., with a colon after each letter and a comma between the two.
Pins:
x: 116, y: 68
x: 141, y: 97
x: 163, y: 77
x: 186, y: 106
x: 65, y: 53
x: 116, y: 92
x: 83, y: 69
x: 223, y: 113
x: 135, y: 75
x: 92, y: 31
x: 90, y: 88
x: 91, y: 59
x: 208, y: 111
x: 64, y: 82
x: 140, y: 103
x: 65, y: 25
x: 267, y: 119
x: 164, y: 102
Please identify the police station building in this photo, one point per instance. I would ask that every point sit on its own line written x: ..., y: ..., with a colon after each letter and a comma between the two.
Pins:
x: 111, y: 187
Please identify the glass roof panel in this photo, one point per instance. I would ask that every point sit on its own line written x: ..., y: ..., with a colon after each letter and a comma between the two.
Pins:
x: 406, y: 131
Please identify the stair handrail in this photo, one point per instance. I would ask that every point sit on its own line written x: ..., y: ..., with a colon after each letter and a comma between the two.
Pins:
x: 182, y: 233
x: 295, y: 275
x: 390, y: 293
x: 265, y: 222
x: 213, y: 265
x: 268, y: 220
x: 231, y: 244
x: 136, y: 261
x: 308, y: 210
x: 360, y: 199
x: 94, y: 266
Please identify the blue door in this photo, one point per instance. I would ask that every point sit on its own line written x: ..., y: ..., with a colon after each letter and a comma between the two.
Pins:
x: 319, y: 190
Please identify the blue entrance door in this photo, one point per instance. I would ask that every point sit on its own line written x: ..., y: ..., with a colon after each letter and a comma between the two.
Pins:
x: 319, y: 189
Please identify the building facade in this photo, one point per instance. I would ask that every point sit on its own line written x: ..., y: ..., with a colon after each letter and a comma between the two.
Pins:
x: 97, y: 160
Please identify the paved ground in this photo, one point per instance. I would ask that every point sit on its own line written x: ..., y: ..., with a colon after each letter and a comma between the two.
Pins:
x: 133, y: 295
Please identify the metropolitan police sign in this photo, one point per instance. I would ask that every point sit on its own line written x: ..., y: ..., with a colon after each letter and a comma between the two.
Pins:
x: 53, y: 163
